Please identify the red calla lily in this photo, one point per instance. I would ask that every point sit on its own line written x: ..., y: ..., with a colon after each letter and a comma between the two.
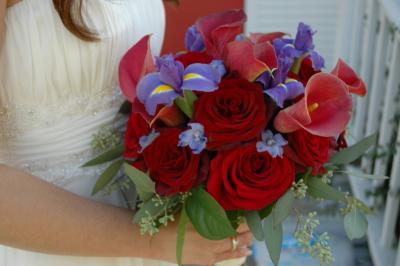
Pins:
x: 134, y: 65
x: 219, y: 29
x: 353, y: 82
x: 325, y: 109
x: 171, y: 116
x: 250, y: 60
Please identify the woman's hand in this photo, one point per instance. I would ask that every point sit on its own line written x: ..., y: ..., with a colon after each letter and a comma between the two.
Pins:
x: 198, y: 250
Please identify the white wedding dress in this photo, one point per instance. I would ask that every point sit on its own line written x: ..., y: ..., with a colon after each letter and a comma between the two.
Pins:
x: 56, y: 91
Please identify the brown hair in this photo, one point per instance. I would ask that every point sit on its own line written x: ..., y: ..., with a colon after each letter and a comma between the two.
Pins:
x: 71, y: 15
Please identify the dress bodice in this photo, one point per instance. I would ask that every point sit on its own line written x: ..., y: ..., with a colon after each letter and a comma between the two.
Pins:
x: 56, y: 90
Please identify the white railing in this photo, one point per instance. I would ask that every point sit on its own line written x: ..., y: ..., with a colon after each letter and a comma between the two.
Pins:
x: 369, y: 38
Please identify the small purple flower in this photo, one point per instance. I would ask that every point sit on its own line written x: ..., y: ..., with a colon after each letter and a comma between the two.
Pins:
x: 194, y: 138
x: 271, y: 143
x: 145, y: 141
x: 194, y: 40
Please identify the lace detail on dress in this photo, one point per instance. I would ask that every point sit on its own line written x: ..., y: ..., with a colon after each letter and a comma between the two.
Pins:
x: 65, y: 171
x: 17, y: 118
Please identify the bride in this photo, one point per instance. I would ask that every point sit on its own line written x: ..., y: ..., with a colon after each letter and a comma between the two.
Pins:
x: 58, y: 86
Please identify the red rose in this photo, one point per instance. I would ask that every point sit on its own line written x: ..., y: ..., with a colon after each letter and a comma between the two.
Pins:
x: 244, y: 179
x: 306, y: 71
x: 136, y: 127
x: 194, y: 57
x: 309, y: 150
x: 174, y: 169
x: 234, y: 113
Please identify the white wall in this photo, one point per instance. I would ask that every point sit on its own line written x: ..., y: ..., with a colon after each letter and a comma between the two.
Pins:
x: 284, y: 15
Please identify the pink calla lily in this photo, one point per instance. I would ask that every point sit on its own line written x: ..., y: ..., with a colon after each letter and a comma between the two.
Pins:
x: 353, y: 82
x: 134, y: 65
x: 265, y: 37
x: 219, y: 29
x: 251, y: 60
x: 325, y: 109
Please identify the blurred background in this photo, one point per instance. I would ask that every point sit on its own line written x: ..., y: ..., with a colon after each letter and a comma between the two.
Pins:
x: 365, y: 33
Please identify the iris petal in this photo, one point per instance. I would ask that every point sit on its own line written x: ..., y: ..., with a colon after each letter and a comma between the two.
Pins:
x: 294, y: 88
x: 201, y: 77
x: 318, y: 61
x: 170, y: 71
x: 147, y: 85
x: 278, y: 94
x: 152, y: 92
x: 166, y: 97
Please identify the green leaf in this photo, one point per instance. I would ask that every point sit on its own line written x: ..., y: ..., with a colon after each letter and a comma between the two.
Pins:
x: 207, y: 216
x: 355, y: 224
x: 145, y: 187
x: 107, y: 156
x: 266, y: 211
x: 283, y: 207
x: 254, y: 222
x: 366, y: 176
x: 318, y: 189
x: 190, y: 98
x: 354, y: 152
x: 186, y: 103
x: 235, y: 217
x: 183, y: 221
x: 148, y: 208
x: 273, y: 235
x: 107, y: 176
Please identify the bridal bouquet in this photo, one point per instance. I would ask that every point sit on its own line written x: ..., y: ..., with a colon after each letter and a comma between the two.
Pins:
x: 234, y: 130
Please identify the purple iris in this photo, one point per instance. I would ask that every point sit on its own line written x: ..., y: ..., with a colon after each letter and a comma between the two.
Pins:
x: 194, y: 40
x: 300, y: 46
x: 194, y: 138
x: 145, y: 141
x: 271, y: 143
x: 279, y: 87
x: 164, y: 86
x: 219, y: 66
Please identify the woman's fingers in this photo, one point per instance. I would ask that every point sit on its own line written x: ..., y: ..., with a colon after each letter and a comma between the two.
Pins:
x: 243, y: 240
x: 238, y: 253
x: 243, y: 228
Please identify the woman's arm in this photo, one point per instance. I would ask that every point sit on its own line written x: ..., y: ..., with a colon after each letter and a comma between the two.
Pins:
x: 38, y: 216
x: 3, y: 6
